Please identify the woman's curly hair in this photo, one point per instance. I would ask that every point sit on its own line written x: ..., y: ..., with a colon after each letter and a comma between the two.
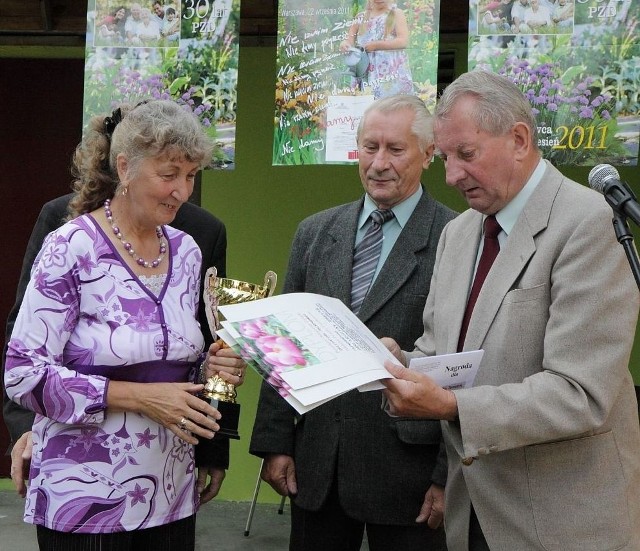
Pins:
x: 148, y: 129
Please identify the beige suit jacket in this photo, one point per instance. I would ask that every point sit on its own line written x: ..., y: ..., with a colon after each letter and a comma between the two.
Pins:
x: 547, y: 444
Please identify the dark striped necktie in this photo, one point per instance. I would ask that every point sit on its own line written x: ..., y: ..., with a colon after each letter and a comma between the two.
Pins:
x: 366, y: 256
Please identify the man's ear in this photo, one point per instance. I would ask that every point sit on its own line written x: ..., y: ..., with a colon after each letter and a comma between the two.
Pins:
x: 522, y: 140
x: 428, y: 156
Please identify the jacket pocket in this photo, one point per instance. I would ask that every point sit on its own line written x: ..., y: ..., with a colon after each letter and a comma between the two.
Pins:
x: 414, y: 300
x: 578, y: 494
x: 416, y: 431
x: 526, y: 295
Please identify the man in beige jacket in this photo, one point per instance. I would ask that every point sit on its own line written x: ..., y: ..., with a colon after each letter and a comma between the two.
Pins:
x: 544, y: 450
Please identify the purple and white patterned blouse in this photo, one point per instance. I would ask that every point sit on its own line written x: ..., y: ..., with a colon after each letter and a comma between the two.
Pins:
x: 87, y: 319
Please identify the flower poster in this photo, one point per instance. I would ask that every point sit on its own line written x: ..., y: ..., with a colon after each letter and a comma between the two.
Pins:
x: 335, y: 57
x: 578, y: 62
x: 181, y: 49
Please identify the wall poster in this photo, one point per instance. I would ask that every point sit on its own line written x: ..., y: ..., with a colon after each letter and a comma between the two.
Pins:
x: 335, y: 57
x: 578, y: 61
x: 181, y: 49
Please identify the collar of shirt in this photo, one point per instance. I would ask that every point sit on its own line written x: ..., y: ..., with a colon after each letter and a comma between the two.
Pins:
x: 402, y: 212
x: 392, y: 229
x: 508, y: 216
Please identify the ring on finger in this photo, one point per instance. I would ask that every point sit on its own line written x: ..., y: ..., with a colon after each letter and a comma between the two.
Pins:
x: 183, y: 424
x: 238, y: 372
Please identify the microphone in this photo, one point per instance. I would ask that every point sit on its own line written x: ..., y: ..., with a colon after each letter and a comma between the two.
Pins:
x: 606, y: 180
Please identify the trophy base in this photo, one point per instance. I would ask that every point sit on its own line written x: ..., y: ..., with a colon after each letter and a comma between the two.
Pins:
x: 230, y: 417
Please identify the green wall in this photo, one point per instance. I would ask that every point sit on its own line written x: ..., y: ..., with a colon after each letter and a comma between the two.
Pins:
x: 261, y: 206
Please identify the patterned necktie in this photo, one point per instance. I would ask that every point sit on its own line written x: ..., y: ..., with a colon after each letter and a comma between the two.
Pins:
x: 490, y: 250
x: 366, y: 256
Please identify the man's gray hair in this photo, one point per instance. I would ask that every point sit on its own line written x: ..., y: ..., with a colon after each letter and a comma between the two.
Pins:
x: 499, y: 102
x: 422, y: 126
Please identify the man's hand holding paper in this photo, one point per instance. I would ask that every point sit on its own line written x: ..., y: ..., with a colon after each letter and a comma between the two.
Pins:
x: 424, y: 390
x: 414, y: 394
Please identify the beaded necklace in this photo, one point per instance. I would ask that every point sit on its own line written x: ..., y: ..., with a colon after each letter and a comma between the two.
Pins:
x: 128, y: 247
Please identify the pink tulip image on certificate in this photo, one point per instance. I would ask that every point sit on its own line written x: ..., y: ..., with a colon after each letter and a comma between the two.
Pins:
x: 272, y: 349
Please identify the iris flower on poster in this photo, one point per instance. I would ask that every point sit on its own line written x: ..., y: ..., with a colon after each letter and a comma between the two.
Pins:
x: 583, y: 86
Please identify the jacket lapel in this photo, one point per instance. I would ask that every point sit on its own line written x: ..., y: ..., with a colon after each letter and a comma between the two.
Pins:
x: 513, y: 258
x: 459, y: 271
x: 401, y: 262
x: 338, y: 253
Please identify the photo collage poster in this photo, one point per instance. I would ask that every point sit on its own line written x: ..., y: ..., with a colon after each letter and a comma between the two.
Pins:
x: 186, y: 50
x: 330, y: 67
x: 578, y: 62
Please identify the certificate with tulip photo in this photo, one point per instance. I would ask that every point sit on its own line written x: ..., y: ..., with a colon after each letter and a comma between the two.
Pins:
x: 312, y: 348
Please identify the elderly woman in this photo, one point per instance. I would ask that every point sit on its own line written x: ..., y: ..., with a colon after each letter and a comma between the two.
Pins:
x: 106, y: 345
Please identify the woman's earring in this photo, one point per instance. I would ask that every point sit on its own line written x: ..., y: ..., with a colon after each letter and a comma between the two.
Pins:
x: 125, y: 189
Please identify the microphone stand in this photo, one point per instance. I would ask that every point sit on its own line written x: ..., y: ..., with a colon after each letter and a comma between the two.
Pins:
x: 625, y: 238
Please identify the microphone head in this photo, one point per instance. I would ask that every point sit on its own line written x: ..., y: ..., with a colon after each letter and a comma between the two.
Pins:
x: 600, y: 175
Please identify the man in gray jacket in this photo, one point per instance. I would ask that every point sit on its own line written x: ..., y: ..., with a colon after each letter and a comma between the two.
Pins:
x: 347, y: 465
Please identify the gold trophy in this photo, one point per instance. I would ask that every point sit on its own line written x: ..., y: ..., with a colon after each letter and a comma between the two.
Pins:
x: 220, y: 291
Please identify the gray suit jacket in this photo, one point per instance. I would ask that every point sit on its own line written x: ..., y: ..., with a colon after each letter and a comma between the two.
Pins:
x: 384, y: 465
x: 547, y: 444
